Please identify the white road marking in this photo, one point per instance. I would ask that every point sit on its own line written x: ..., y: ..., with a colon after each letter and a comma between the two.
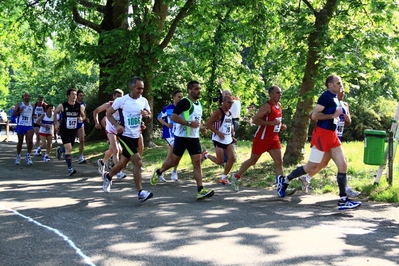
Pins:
x: 86, y: 259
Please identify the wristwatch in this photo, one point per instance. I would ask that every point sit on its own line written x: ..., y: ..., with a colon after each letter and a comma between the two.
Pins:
x: 189, y: 123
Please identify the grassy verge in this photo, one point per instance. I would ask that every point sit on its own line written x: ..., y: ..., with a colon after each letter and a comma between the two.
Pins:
x: 360, y: 176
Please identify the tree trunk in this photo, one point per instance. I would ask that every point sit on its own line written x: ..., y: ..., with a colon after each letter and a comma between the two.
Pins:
x: 300, y: 124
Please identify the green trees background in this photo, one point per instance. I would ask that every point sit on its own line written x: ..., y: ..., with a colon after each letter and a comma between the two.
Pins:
x: 245, y: 46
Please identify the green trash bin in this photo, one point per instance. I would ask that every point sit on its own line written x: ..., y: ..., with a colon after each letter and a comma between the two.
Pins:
x: 374, y: 146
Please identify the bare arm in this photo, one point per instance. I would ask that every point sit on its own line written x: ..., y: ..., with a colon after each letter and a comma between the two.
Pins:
x: 216, y: 116
x: 318, y: 115
x: 58, y: 110
x: 111, y: 119
x: 182, y: 121
x: 98, y: 110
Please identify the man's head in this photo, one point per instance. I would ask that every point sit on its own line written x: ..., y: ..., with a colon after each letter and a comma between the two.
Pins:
x: 334, y: 84
x: 136, y: 86
x: 227, y: 102
x: 177, y: 96
x: 275, y: 93
x: 26, y: 97
x: 81, y: 96
x: 72, y: 94
x: 50, y: 107
x: 117, y: 93
x: 40, y: 99
x: 194, y: 90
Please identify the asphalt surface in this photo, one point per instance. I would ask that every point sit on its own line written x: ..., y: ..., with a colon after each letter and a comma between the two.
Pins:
x: 48, y: 218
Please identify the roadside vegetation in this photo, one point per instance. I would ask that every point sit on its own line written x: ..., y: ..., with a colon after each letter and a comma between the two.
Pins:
x: 361, y: 177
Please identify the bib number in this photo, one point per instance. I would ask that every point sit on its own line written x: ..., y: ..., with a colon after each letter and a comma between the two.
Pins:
x: 71, y: 122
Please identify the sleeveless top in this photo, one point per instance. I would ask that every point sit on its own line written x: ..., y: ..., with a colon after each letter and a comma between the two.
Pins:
x: 38, y: 110
x: 110, y: 127
x: 47, y: 121
x: 25, y: 118
x: 194, y: 113
x: 270, y: 132
x: 224, y: 125
x: 70, y: 116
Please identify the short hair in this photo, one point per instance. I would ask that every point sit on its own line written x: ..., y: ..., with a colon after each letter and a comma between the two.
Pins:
x: 133, y: 80
x: 176, y: 92
x: 69, y: 91
x: 191, y: 84
x: 227, y: 92
x: 272, y: 88
x: 40, y: 96
x: 330, y: 79
x: 118, y: 91
x: 79, y: 92
x: 49, y: 105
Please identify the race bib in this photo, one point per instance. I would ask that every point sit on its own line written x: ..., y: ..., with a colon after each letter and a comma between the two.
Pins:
x: 71, y: 122
x: 277, y: 127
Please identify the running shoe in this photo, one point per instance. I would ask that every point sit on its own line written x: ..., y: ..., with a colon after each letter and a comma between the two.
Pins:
x: 28, y: 159
x: 235, y: 182
x: 17, y: 159
x: 161, y: 179
x: 281, y: 186
x: 205, y: 193
x: 154, y: 178
x: 108, y: 165
x: 81, y: 160
x: 224, y: 182
x: 101, y: 166
x: 145, y: 195
x: 174, y: 176
x: 351, y: 193
x: 348, y: 204
x: 106, y: 182
x: 38, y: 152
x: 59, y: 153
x: 305, y: 184
x: 120, y: 175
x: 46, y: 158
x: 71, y: 171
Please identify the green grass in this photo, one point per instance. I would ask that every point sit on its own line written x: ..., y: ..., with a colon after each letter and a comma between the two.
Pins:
x: 360, y: 176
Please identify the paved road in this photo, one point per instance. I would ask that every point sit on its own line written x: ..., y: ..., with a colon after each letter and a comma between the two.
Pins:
x: 48, y: 218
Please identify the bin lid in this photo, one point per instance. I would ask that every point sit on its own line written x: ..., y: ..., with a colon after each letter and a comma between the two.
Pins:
x: 375, y: 132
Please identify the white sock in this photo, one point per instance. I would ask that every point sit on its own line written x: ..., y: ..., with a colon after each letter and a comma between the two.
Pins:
x: 224, y: 177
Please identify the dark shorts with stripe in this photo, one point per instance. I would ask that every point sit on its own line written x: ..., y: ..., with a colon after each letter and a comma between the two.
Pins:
x: 129, y: 145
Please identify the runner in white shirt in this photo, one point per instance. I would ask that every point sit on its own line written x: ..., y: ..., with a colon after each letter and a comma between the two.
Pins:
x: 132, y: 108
x: 24, y: 113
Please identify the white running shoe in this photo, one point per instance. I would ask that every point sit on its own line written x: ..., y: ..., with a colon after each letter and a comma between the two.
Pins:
x: 120, y: 175
x: 351, y: 193
x: 161, y: 179
x: 101, y: 166
x: 38, y: 152
x: 145, y: 195
x: 17, y: 159
x: 305, y: 184
x: 81, y: 160
x: 46, y: 158
x: 106, y: 183
x: 108, y: 165
x: 28, y: 159
x: 174, y: 176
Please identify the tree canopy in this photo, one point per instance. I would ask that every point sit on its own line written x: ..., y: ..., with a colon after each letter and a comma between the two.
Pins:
x: 245, y: 46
